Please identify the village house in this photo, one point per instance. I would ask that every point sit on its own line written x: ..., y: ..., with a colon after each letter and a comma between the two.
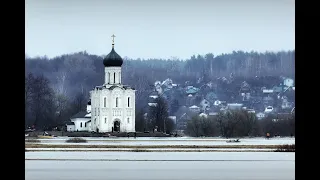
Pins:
x: 81, y: 121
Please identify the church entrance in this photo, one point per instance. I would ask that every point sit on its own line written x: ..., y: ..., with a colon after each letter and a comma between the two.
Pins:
x: 116, y: 126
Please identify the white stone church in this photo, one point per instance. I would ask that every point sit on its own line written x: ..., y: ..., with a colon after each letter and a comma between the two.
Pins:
x: 112, y: 105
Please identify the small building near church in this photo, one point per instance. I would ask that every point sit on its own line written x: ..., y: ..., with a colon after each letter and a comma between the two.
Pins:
x: 70, y: 127
x: 82, y: 121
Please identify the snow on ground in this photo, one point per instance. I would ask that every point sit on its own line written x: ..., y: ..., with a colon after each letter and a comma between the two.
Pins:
x: 152, y: 165
x: 170, y: 141
x: 147, y: 149
x: 161, y: 156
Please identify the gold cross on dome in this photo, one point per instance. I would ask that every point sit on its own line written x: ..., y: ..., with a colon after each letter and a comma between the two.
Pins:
x: 113, y: 36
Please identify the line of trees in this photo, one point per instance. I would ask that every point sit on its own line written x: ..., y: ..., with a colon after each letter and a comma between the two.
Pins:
x: 77, y: 73
x: 157, y: 118
x: 45, y: 108
x: 59, y: 87
x: 240, y: 124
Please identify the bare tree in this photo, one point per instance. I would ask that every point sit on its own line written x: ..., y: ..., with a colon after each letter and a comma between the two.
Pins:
x: 227, y: 123
x: 28, y: 96
x: 62, y: 83
x: 62, y: 108
x: 41, y: 100
x: 140, y: 121
x: 292, y: 124
x: 169, y: 126
x: 208, y: 126
x: 79, y: 102
x: 159, y: 114
x: 194, y: 127
x: 248, y: 123
x: 27, y: 89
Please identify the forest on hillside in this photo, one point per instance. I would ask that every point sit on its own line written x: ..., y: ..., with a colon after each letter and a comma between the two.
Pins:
x: 71, y: 76
x: 78, y: 73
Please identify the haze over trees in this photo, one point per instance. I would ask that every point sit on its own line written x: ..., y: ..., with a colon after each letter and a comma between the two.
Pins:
x: 59, y: 87
x: 76, y: 73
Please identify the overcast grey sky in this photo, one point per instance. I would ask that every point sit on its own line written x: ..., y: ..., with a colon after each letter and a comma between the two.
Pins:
x: 158, y: 28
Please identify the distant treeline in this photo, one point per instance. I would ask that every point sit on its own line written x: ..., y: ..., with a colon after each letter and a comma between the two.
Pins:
x: 78, y: 73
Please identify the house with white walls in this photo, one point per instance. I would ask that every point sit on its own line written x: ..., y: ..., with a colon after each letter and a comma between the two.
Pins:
x: 81, y: 121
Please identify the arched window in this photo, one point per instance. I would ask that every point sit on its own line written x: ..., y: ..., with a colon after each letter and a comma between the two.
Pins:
x: 105, y: 120
x: 119, y: 77
x: 108, y: 78
x: 128, y: 101
x: 114, y: 77
x: 116, y: 101
x: 128, y: 120
x: 81, y: 124
x: 85, y: 124
x: 105, y: 102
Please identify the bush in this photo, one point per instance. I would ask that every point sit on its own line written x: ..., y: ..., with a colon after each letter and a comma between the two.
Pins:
x: 286, y: 148
x: 76, y: 140
x: 32, y: 140
x: 140, y: 150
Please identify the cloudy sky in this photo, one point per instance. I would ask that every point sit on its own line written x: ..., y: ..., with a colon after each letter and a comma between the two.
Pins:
x: 158, y: 29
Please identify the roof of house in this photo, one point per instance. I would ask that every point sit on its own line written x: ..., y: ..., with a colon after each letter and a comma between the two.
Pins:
x: 80, y: 114
x: 184, y: 111
x: 70, y: 123
x: 194, y: 106
x: 181, y: 110
x: 211, y: 97
x: 277, y: 89
x: 213, y: 109
x: 192, y: 90
x: 188, y: 115
x: 203, y: 115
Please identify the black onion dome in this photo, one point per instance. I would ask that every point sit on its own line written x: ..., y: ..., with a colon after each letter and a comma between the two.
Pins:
x: 112, y: 59
x: 89, y: 102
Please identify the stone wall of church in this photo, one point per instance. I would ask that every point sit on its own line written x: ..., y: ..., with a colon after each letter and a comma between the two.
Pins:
x: 110, y: 106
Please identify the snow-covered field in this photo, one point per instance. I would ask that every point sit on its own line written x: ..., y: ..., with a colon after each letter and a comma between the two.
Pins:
x: 170, y: 141
x: 159, y: 165
x: 151, y: 149
x: 162, y: 156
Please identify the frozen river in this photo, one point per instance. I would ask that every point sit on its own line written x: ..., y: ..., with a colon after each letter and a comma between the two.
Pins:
x: 157, y: 165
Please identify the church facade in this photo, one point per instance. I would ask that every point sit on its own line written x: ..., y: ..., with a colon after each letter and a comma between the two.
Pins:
x: 112, y: 104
